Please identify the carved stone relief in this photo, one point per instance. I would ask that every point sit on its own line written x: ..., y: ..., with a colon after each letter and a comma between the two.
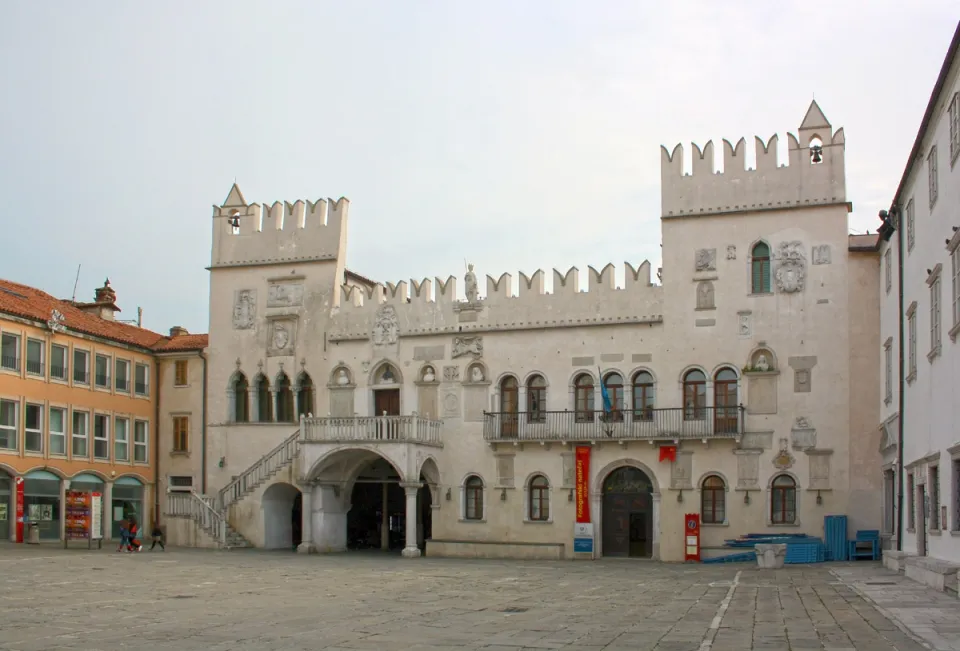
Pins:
x: 792, y: 268
x: 819, y: 463
x: 475, y: 374
x: 244, y: 309
x: 341, y: 402
x: 731, y: 252
x: 821, y: 254
x: 285, y: 294
x: 281, y: 337
x: 681, y: 470
x: 451, y: 373
x: 505, y: 470
x: 451, y: 403
x: 706, y: 260
x: 744, y: 325
x: 748, y: 469
x: 386, y: 326
x: 705, y: 295
x: 467, y: 346
x: 803, y: 372
x: 783, y: 459
x: 803, y: 435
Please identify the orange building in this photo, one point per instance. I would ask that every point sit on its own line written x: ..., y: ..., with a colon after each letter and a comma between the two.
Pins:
x: 78, y: 409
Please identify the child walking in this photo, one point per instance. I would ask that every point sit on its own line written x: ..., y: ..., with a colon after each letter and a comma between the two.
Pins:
x: 157, y: 534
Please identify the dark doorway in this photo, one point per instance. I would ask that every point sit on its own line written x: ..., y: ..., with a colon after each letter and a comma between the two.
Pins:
x: 365, y: 519
x: 425, y: 502
x: 386, y: 402
x: 627, y: 518
x: 296, y: 520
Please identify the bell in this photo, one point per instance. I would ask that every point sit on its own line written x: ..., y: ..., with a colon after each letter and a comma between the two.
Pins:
x: 816, y: 152
x: 235, y: 221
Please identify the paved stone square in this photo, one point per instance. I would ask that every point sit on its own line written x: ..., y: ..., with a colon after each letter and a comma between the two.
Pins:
x: 217, y: 601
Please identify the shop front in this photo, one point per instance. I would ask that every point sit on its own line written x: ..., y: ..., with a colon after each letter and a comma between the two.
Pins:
x: 7, y: 506
x: 127, y: 503
x: 87, y: 483
x: 41, y: 502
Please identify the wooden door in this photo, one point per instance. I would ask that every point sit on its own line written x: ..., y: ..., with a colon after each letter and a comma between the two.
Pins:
x: 387, y: 400
x: 725, y: 402
x: 509, y: 407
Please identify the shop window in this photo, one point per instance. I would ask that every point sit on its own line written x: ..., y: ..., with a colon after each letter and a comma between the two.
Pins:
x: 41, y: 502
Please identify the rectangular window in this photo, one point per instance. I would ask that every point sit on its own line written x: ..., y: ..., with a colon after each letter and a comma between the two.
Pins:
x: 955, y: 270
x: 121, y: 375
x: 142, y: 379
x: 910, y: 225
x: 912, y: 343
x: 954, y: 127
x: 180, y: 483
x: 101, y: 436
x: 35, y: 357
x: 9, y: 424
x: 10, y: 352
x: 180, y: 373
x: 935, y: 317
x: 80, y: 435
x: 81, y: 366
x: 932, y: 175
x: 911, y: 503
x: 121, y: 439
x: 58, y: 362
x: 181, y: 433
x: 33, y: 428
x: 102, y: 372
x: 58, y: 431
x: 888, y: 371
x: 140, y: 437
x: 888, y: 270
x: 934, y: 498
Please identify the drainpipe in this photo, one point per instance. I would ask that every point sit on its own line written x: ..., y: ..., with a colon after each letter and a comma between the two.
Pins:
x: 203, y: 430
x: 156, y: 442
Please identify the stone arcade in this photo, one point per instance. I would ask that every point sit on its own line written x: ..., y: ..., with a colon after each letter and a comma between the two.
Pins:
x: 346, y: 413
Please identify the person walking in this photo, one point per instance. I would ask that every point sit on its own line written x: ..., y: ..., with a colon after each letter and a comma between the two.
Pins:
x: 124, y: 534
x: 157, y: 534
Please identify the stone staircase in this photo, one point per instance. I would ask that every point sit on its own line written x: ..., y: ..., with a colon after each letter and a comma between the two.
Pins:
x: 211, y: 513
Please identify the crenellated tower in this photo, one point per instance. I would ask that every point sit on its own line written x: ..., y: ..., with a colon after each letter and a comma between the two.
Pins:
x: 812, y: 175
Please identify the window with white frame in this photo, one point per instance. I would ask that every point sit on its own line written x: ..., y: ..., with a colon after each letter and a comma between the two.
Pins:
x: 81, y: 366
x: 180, y: 484
x: 141, y: 379
x: 955, y: 287
x: 9, y: 424
x: 910, y: 225
x: 912, y: 342
x: 121, y: 439
x: 58, y: 431
x: 954, y: 127
x: 121, y: 375
x: 888, y: 269
x: 141, y: 435
x: 35, y: 361
x: 101, y: 436
x: 932, y: 175
x: 10, y: 351
x: 935, y: 317
x: 101, y: 373
x: 58, y: 362
x: 80, y: 435
x: 33, y: 428
x: 888, y: 370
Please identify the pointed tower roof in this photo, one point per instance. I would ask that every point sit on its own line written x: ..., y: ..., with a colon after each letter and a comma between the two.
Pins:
x: 235, y: 198
x: 814, y: 119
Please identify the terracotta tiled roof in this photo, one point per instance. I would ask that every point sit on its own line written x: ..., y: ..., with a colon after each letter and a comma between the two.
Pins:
x: 31, y: 303
x: 866, y: 242
x: 182, y: 343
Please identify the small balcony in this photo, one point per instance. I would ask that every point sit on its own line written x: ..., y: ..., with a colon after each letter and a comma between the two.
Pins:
x: 373, y: 429
x: 644, y: 425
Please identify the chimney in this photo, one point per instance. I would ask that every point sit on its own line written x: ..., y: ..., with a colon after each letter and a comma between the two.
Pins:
x: 177, y: 331
x: 105, y: 304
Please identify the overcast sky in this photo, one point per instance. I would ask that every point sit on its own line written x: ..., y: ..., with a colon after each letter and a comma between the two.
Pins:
x: 515, y: 135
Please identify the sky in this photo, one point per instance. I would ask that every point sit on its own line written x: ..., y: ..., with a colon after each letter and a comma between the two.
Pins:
x: 513, y: 135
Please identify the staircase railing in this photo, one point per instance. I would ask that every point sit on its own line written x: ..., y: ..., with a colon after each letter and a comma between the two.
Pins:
x: 263, y: 469
x: 194, y: 506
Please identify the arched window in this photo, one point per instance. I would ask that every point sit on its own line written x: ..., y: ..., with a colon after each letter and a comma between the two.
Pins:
x: 241, y: 399
x: 583, y: 398
x: 713, y: 500
x: 537, y: 399
x: 694, y: 395
x: 473, y: 498
x: 783, y: 501
x: 760, y: 269
x: 614, y: 384
x: 284, y: 399
x: 264, y: 404
x: 539, y: 499
x: 643, y: 396
x: 725, y: 401
x: 305, y: 395
x: 509, y: 405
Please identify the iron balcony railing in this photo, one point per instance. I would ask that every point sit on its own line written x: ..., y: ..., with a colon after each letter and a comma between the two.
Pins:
x: 374, y: 429
x: 645, y: 424
x: 10, y: 362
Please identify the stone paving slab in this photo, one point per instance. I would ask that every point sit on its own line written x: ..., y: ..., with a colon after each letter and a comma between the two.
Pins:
x: 181, y: 599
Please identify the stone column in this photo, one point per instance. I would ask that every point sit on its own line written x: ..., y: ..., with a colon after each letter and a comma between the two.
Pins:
x: 411, y: 550
x: 329, y: 533
x: 108, y: 512
x: 306, y: 520
x: 253, y: 405
x: 273, y: 406
x: 385, y: 520
x: 656, y: 526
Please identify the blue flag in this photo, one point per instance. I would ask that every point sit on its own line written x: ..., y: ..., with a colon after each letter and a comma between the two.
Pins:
x: 607, y: 403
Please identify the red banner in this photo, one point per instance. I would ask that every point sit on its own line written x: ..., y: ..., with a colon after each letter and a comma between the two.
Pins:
x: 583, y: 482
x: 668, y: 453
x: 19, y: 509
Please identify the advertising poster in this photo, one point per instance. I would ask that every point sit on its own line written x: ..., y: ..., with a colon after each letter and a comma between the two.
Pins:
x: 19, y: 508
x: 96, y: 516
x: 78, y: 515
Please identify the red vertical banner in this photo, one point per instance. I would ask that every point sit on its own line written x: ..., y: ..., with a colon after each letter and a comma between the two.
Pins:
x: 19, y: 509
x: 582, y: 464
